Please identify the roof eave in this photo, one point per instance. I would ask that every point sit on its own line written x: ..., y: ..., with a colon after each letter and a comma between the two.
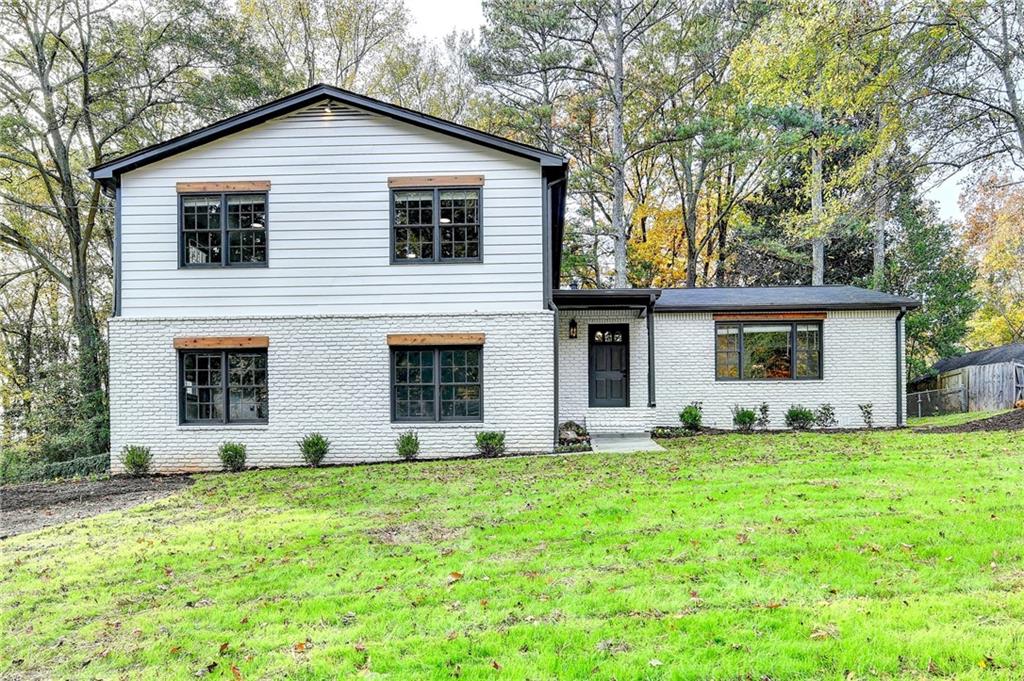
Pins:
x: 909, y: 305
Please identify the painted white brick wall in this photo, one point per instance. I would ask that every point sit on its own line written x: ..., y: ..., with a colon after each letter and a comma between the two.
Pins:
x: 859, y: 367
x: 573, y: 377
x: 329, y: 374
x: 859, y: 353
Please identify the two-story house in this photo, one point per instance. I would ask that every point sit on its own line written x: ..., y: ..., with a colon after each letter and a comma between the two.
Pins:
x: 332, y: 263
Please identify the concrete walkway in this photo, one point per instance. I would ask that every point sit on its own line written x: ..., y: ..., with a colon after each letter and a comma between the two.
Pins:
x: 624, y: 443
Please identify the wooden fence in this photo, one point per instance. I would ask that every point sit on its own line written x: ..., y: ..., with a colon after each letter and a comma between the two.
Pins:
x: 935, y: 402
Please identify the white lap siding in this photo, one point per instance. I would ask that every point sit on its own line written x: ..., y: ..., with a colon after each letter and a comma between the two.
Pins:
x: 859, y: 351
x: 329, y: 227
x: 329, y: 374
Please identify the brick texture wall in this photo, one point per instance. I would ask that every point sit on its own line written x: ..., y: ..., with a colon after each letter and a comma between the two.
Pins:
x: 329, y: 374
x: 859, y: 350
x: 859, y: 367
x: 573, y: 375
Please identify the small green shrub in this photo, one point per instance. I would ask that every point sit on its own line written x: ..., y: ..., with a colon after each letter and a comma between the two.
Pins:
x: 314, y: 448
x: 692, y: 415
x: 408, y: 445
x: 763, y: 419
x: 232, y: 456
x: 825, y: 416
x: 867, y: 413
x: 799, y: 417
x: 744, y: 419
x: 490, y: 442
x: 136, y: 459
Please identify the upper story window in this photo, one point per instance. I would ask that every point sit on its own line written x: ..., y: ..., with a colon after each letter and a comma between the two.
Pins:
x: 768, y: 351
x: 436, y: 225
x: 224, y: 229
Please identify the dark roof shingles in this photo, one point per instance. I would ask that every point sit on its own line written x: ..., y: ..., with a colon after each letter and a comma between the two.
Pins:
x: 1013, y: 352
x: 779, y: 298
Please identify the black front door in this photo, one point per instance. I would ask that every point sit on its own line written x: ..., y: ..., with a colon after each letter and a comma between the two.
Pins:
x: 609, y: 365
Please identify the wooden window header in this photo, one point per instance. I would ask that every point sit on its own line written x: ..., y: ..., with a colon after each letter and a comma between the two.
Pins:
x: 221, y: 342
x: 769, y: 316
x: 406, y: 339
x: 244, y: 186
x: 436, y: 181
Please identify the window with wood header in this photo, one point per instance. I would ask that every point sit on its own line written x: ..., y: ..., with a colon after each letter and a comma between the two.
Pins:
x: 437, y: 384
x: 768, y: 350
x: 223, y: 386
x: 436, y: 225
x: 223, y: 229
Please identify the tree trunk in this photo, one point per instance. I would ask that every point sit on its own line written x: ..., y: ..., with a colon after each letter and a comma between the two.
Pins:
x: 618, y: 150
x: 880, y: 214
x: 817, y: 204
x: 878, y: 260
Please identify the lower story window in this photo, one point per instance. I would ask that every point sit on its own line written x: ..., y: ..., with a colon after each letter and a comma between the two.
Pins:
x: 437, y: 384
x: 767, y: 351
x: 223, y: 386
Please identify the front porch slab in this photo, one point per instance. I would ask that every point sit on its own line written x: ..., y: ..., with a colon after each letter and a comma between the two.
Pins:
x: 624, y: 443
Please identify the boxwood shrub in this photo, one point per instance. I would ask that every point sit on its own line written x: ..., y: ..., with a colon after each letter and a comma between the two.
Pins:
x: 232, y: 456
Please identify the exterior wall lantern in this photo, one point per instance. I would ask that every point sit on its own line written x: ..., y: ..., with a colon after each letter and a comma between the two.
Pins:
x: 574, y: 330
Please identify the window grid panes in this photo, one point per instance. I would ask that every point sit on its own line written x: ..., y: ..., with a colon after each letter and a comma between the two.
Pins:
x: 768, y: 351
x: 200, y: 224
x: 437, y: 384
x: 228, y: 386
x: 247, y: 386
x: 224, y: 229
x: 436, y: 225
x: 247, y: 228
x: 460, y: 384
x: 203, y: 386
x: 460, y: 224
x: 414, y: 385
x: 414, y: 225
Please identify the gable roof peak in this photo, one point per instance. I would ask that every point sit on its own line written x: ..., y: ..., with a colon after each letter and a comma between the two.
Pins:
x: 106, y: 172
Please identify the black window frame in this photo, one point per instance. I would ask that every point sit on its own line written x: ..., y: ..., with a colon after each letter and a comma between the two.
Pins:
x: 225, y: 246
x: 793, y: 324
x: 436, y: 202
x: 437, y: 350
x: 226, y: 419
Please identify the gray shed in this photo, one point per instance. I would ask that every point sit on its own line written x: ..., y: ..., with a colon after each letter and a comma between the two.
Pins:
x: 984, y: 380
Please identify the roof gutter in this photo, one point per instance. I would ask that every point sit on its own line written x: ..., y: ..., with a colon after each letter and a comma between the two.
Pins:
x: 899, y: 366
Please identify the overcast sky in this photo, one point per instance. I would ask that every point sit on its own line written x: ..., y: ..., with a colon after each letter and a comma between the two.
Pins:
x: 438, y: 18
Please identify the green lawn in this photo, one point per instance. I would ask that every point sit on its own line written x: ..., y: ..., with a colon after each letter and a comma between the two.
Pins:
x: 951, y: 419
x: 845, y: 556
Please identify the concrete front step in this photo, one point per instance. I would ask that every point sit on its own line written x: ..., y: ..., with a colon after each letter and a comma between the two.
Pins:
x: 624, y: 443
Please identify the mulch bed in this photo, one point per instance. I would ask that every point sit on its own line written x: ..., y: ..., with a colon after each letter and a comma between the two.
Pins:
x: 1011, y: 420
x: 35, y: 505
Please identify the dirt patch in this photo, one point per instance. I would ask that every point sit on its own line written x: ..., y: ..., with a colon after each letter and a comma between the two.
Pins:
x: 1011, y: 420
x: 413, y: 533
x: 36, y: 505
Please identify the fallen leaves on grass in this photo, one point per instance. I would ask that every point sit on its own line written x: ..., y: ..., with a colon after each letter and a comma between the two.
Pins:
x: 825, y: 633
x: 454, y: 577
x: 610, y: 646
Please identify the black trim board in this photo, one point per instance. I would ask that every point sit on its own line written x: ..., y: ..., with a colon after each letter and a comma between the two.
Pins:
x: 107, y: 171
